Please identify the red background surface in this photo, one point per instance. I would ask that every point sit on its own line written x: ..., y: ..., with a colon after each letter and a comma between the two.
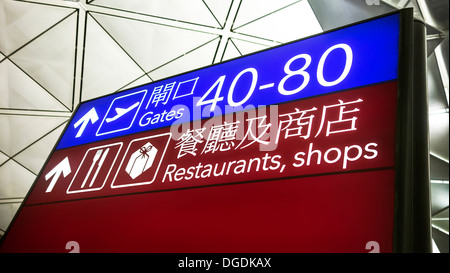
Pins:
x: 337, y: 212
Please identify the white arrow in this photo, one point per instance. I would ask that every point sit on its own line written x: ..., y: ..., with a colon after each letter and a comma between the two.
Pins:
x: 83, y: 122
x: 62, y: 167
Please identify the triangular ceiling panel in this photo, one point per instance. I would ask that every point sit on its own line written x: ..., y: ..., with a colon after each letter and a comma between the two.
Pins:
x: 20, y: 91
x: 292, y: 22
x: 443, y: 214
x: 432, y: 44
x: 19, y: 131
x: 7, y: 212
x: 333, y: 14
x: 236, y: 48
x: 440, y: 200
x: 439, y: 169
x: 107, y: 67
x: 219, y: 9
x: 16, y: 180
x: 439, y: 141
x: 35, y: 156
x: 251, y: 10
x: 200, y: 57
x: 52, y: 64
x: 193, y: 11
x: 148, y: 43
x: 437, y: 99
x: 22, y: 21
x: 139, y: 81
x: 231, y: 51
x: 246, y: 47
x: 3, y: 158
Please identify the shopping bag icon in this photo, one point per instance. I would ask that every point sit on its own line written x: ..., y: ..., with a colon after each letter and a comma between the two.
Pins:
x: 141, y: 160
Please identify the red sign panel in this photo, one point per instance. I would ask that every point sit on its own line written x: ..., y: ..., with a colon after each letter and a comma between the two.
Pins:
x: 243, y: 182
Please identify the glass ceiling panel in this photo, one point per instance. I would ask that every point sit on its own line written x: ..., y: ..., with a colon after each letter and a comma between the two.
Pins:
x: 20, y: 22
x: 289, y: 23
x: 194, y: 11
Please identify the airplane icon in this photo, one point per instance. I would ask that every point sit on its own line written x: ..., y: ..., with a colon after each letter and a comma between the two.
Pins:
x: 121, y: 111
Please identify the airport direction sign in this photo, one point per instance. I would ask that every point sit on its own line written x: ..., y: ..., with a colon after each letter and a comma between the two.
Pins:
x: 291, y: 149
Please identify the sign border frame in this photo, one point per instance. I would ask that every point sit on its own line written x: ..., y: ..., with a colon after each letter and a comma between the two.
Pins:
x: 412, y: 208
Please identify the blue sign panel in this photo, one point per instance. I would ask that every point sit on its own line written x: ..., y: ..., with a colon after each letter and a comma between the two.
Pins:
x: 351, y: 57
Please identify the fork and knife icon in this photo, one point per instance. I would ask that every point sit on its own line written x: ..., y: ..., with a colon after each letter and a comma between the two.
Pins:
x: 99, y: 157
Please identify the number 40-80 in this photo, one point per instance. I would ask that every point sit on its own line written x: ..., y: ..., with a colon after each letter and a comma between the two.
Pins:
x: 281, y: 85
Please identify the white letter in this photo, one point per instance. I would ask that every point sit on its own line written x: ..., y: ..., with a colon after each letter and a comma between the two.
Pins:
x: 142, y: 124
x: 325, y: 156
x: 374, y: 152
x: 310, y: 152
x: 169, y: 173
x: 346, y: 158
x: 298, y: 158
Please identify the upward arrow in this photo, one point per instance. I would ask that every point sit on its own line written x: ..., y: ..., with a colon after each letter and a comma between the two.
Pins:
x: 62, y: 167
x: 83, y: 122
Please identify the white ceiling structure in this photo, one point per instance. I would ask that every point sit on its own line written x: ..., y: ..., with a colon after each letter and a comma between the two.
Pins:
x: 55, y: 54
